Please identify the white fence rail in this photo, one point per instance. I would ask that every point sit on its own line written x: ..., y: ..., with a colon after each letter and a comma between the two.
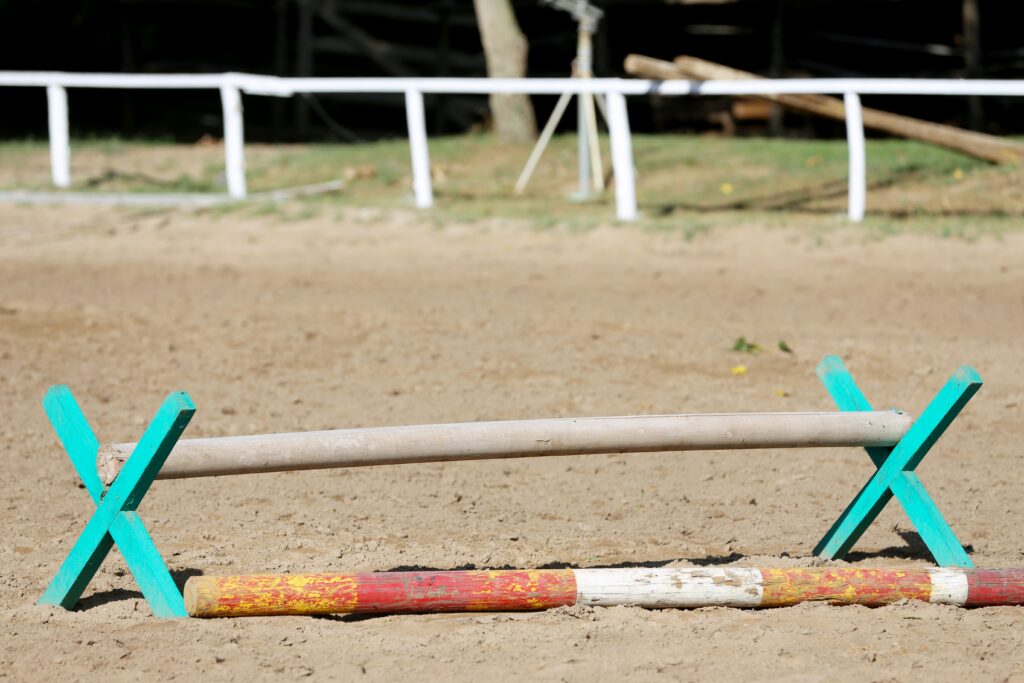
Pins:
x: 232, y: 85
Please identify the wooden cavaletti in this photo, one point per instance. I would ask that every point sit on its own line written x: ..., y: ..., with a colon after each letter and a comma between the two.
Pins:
x: 117, y: 478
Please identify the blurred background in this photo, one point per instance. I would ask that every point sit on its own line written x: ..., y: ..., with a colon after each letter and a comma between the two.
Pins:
x: 697, y: 158
x: 778, y: 38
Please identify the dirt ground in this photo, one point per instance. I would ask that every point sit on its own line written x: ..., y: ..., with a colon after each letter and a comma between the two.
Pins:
x: 379, y: 317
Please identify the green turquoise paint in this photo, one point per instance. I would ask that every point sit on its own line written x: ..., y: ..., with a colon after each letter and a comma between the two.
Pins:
x: 895, y: 468
x: 115, y: 520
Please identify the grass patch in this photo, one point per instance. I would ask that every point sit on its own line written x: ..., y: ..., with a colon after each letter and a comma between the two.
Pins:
x: 685, y: 184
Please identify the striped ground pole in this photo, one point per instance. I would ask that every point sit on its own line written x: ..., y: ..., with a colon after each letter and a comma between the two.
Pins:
x: 524, y: 590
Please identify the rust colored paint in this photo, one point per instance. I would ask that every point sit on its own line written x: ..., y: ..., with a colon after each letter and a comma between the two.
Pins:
x: 379, y: 593
x: 988, y: 587
x: 842, y: 586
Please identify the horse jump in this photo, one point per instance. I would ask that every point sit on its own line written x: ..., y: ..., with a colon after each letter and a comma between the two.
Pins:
x: 118, y: 476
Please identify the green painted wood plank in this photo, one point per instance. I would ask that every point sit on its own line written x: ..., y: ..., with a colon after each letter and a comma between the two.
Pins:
x: 115, y: 519
x: 904, y: 457
x: 147, y: 567
x: 923, y: 513
x: 75, y: 435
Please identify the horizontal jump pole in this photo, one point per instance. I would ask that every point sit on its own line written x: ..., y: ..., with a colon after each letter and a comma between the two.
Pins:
x: 516, y: 590
x: 217, y: 456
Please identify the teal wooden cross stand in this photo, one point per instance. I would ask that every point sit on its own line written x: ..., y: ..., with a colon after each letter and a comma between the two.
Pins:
x: 895, y: 474
x: 115, y: 519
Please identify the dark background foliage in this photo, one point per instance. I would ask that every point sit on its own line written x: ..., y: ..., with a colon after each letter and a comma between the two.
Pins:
x: 884, y: 38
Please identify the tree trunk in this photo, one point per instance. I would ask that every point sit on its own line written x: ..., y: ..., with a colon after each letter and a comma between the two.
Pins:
x: 972, y: 58
x: 505, y: 48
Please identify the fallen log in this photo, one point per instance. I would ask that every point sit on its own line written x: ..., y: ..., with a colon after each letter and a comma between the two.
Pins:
x: 979, y: 145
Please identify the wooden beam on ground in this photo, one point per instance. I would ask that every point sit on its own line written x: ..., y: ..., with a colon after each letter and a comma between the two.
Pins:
x: 508, y: 590
x: 979, y: 145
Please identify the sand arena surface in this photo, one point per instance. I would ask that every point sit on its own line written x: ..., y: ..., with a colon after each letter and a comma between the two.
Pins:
x: 381, y: 318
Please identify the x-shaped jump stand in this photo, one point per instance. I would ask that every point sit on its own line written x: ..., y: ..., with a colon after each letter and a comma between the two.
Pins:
x: 895, y: 474
x: 115, y: 519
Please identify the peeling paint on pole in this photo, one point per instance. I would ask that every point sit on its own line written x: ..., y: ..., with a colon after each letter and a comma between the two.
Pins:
x: 528, y: 590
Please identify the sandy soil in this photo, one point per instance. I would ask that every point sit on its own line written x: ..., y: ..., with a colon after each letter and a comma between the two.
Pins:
x: 381, y: 318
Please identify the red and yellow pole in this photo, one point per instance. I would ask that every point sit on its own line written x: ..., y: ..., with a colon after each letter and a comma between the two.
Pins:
x: 515, y: 590
x: 380, y: 592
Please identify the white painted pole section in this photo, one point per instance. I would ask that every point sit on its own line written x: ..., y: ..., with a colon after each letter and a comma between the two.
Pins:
x: 858, y: 156
x: 670, y: 588
x: 514, y: 439
x: 417, y: 123
x: 60, y: 145
x: 949, y: 586
x: 234, y: 141
x: 622, y: 157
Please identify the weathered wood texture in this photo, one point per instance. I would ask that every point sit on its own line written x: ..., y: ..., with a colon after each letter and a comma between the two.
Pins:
x: 979, y: 145
x: 515, y: 590
x: 514, y: 439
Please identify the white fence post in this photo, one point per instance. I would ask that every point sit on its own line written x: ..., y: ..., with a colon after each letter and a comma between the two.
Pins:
x: 622, y: 157
x: 234, y: 141
x: 855, y: 142
x: 60, y: 147
x: 417, y: 123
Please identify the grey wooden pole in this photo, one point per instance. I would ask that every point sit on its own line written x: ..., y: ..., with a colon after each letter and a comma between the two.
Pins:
x: 514, y: 439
